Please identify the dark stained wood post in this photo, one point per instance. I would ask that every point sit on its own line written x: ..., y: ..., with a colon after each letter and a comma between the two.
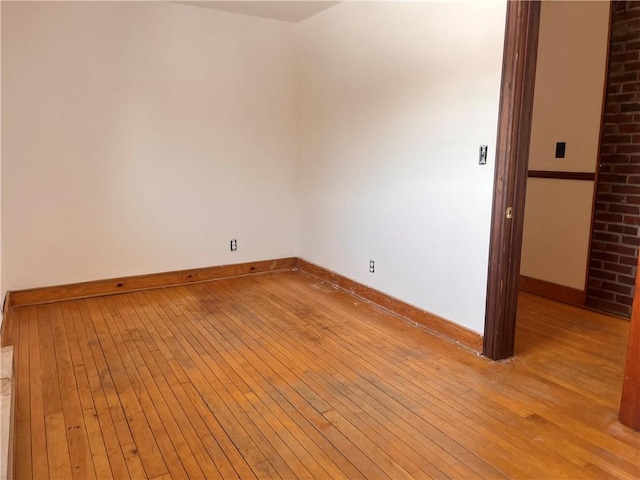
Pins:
x: 630, y: 403
x: 512, y: 155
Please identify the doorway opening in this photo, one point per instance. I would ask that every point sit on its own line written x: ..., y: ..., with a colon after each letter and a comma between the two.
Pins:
x: 568, y: 200
x: 514, y: 136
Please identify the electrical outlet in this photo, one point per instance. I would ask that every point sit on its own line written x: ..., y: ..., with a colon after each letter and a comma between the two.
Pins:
x: 234, y: 245
x: 372, y: 266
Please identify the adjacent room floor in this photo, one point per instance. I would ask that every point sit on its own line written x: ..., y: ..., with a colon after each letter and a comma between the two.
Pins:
x: 282, y: 376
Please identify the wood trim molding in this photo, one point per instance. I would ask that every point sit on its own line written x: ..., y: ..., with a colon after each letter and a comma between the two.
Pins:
x: 630, y: 401
x: 584, y: 176
x: 510, y: 181
x: 433, y: 324
x: 554, y: 291
x: 113, y: 286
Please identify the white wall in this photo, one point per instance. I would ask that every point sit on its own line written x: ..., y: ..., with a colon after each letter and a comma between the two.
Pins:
x: 567, y: 107
x: 141, y: 137
x: 395, y: 100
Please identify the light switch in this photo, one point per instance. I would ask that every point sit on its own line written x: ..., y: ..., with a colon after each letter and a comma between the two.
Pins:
x: 483, y: 154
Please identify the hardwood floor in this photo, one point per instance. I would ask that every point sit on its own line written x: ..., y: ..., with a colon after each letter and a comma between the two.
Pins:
x: 282, y: 376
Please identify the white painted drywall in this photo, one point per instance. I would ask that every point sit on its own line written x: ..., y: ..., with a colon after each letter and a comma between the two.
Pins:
x: 141, y: 137
x: 568, y: 100
x: 395, y: 100
x: 569, y: 89
x: 555, y: 241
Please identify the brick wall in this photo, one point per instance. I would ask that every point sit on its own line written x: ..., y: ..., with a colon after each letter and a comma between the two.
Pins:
x: 615, y: 240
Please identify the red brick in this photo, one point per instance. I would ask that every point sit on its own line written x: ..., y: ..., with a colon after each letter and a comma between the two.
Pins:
x: 619, y: 47
x: 610, y: 197
x: 613, y: 158
x: 601, y: 294
x: 594, y: 284
x: 623, y: 168
x: 630, y: 189
x: 612, y: 109
x: 624, y: 299
x: 628, y: 149
x: 630, y: 220
x: 609, y: 257
x: 606, y: 149
x: 624, y: 56
x: 606, y: 237
x: 633, y: 66
x: 633, y: 261
x: 630, y: 46
x: 615, y: 139
x: 613, y: 267
x: 603, y: 274
x: 630, y: 127
x: 623, y: 77
x: 603, y: 187
x: 619, y: 118
x: 618, y: 208
x: 630, y: 107
x: 608, y: 217
x: 612, y: 178
x: 599, y: 226
x: 617, y: 248
x: 627, y: 280
x: 614, y: 287
x: 613, y: 307
x: 612, y: 227
x: 627, y: 87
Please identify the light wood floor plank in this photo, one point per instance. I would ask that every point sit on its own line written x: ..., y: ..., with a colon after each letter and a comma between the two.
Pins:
x: 79, y: 451
x: 39, y: 462
x: 23, y: 468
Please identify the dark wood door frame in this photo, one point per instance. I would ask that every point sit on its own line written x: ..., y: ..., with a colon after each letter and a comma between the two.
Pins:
x: 510, y: 183
x: 630, y: 401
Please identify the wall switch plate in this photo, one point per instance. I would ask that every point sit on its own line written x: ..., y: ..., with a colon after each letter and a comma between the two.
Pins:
x: 483, y: 154
x: 561, y: 148
x: 234, y: 245
x: 372, y: 266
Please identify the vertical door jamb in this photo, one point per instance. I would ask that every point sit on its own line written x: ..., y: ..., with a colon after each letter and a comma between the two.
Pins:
x: 512, y: 152
x: 630, y: 401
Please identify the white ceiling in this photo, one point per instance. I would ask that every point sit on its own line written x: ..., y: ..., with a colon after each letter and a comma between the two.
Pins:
x: 288, y: 11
